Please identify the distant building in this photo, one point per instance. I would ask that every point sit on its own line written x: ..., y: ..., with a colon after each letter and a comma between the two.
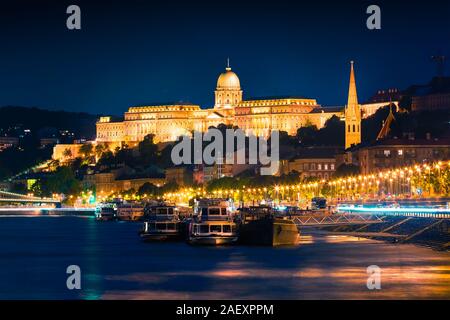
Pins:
x: 204, y: 174
x: 198, y: 175
x: 8, y: 142
x: 208, y: 174
x: 381, y: 99
x: 259, y: 116
x: 5, y: 186
x: 319, y: 162
x: 66, y: 152
x: 394, y: 153
x: 369, y: 109
x: 48, y: 141
x: 388, y: 95
x: 106, y: 183
x: 136, y: 183
x: 439, y: 101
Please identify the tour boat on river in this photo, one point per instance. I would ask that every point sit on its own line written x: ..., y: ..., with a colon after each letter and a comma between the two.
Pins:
x: 163, y: 224
x: 262, y: 225
x: 213, y: 223
x: 130, y: 211
x: 106, y: 211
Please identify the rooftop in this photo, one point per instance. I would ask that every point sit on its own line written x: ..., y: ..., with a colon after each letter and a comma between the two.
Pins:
x: 327, y: 109
x: 315, y: 153
x: 411, y: 142
x: 164, y: 106
x: 278, y: 98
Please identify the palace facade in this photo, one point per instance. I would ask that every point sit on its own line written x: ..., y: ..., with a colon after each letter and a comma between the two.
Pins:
x: 257, y: 116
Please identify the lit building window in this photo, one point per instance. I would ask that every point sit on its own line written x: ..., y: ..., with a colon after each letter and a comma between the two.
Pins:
x: 400, y: 152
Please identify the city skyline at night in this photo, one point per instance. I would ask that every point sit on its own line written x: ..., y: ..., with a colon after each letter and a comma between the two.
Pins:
x: 230, y: 157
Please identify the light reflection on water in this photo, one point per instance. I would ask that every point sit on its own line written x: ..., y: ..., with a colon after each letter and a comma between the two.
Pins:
x: 115, y: 264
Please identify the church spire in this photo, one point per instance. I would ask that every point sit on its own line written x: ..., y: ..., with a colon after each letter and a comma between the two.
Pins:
x: 352, y: 94
x: 228, y: 68
x: 352, y: 113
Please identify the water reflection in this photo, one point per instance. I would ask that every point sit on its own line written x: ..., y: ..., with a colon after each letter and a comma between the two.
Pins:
x: 319, y: 272
x: 34, y: 254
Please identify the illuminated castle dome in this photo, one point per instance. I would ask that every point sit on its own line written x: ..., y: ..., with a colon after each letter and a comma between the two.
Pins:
x: 228, y: 92
x: 228, y: 80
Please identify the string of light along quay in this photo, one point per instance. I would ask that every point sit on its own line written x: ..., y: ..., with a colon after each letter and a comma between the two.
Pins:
x: 398, y: 179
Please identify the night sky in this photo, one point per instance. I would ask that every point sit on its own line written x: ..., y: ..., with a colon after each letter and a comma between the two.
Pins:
x: 141, y: 52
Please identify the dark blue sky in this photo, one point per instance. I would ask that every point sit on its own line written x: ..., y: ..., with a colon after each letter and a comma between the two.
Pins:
x: 140, y: 52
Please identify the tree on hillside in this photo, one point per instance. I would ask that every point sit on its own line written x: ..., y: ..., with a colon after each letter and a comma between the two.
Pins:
x: 86, y: 150
x: 165, y: 157
x: 345, y: 170
x: 67, y: 153
x: 148, y: 189
x: 100, y: 148
x: 170, y: 186
x: 124, y: 155
x: 222, y: 183
x: 307, y: 135
x: 148, y: 149
x: 61, y: 181
x: 372, y: 125
x: 332, y: 134
x: 107, y: 159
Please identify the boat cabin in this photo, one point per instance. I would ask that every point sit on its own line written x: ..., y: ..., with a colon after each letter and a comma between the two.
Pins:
x: 213, y: 227
x: 161, y: 226
x: 256, y: 213
x: 213, y: 209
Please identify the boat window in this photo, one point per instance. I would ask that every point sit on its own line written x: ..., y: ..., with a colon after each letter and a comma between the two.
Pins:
x: 226, y: 228
x: 170, y: 211
x: 224, y: 211
x: 171, y: 226
x: 160, y: 210
x: 214, y: 211
x: 215, y: 228
x: 161, y: 226
x: 204, y: 228
x: 233, y: 228
x: 204, y: 211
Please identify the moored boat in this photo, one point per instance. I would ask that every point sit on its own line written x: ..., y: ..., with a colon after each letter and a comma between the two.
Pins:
x: 263, y: 226
x: 106, y: 211
x: 213, y: 224
x: 163, y: 224
x: 130, y: 211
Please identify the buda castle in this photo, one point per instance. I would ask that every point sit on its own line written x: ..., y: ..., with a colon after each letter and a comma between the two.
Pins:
x: 257, y: 116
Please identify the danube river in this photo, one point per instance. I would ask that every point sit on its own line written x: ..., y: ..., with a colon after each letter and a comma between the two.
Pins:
x: 115, y: 264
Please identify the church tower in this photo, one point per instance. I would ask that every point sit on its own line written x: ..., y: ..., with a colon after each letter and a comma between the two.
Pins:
x: 352, y: 114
